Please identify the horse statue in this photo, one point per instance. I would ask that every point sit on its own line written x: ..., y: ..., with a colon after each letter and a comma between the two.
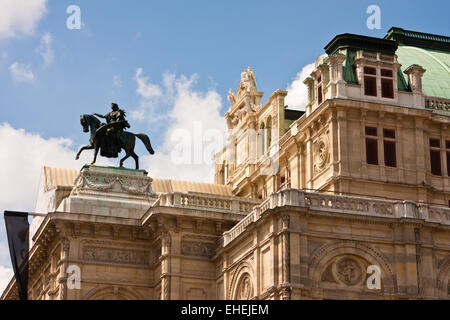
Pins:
x: 99, y: 140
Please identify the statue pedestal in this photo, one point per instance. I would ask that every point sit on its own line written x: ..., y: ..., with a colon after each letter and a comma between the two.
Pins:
x: 109, y: 191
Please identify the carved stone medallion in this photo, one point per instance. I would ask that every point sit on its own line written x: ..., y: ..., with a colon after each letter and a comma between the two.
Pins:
x: 348, y: 271
x: 321, y: 153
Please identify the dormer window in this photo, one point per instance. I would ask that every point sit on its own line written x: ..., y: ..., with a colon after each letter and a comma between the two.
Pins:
x: 370, y: 81
x: 319, y: 90
x: 387, y: 84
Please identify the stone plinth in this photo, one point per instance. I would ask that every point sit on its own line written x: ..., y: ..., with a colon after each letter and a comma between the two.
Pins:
x: 109, y: 191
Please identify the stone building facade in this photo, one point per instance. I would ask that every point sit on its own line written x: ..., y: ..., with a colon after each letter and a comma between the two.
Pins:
x: 310, y: 204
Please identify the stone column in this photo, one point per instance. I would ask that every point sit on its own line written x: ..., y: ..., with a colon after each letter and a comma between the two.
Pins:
x: 309, y: 160
x: 337, y: 75
x: 309, y: 82
x: 62, y: 279
x: 415, y: 73
x: 165, y: 265
x: 285, y: 272
x: 343, y: 142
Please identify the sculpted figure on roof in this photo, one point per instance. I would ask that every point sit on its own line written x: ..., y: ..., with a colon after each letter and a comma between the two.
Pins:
x: 248, y: 79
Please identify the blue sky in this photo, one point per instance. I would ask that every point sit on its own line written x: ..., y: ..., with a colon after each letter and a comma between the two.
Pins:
x: 166, y: 63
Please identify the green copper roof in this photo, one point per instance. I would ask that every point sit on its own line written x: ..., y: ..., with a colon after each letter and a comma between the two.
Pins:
x: 436, y: 79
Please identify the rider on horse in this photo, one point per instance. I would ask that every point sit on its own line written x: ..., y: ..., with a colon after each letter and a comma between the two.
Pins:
x: 115, y: 124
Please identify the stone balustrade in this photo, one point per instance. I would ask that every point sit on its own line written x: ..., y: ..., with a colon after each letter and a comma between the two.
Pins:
x: 437, y: 103
x: 200, y: 200
x: 340, y: 204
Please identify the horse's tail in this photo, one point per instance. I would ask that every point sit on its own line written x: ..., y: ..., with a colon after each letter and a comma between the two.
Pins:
x: 145, y: 139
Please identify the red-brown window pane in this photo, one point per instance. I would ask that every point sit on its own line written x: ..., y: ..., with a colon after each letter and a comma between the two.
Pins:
x: 319, y: 94
x: 319, y: 79
x: 370, y: 86
x: 435, y: 158
x: 390, y: 158
x: 448, y: 163
x: 389, y: 133
x: 386, y: 73
x: 447, y: 144
x: 369, y: 70
x: 371, y: 151
x: 387, y: 88
x: 371, y: 131
x: 435, y: 143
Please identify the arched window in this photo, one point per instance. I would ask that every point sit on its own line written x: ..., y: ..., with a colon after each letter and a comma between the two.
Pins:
x: 269, y: 131
x: 262, y: 139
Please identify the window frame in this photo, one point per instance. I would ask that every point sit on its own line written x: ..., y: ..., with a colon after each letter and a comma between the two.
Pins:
x: 369, y: 139
x: 435, y: 152
x: 389, y: 140
x: 368, y: 76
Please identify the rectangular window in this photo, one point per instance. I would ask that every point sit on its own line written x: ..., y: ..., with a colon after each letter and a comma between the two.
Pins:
x: 390, y: 159
x: 371, y: 151
x: 389, y: 133
x: 371, y: 131
x: 319, y: 94
x: 370, y: 86
x: 435, y: 143
x: 447, y: 146
x: 319, y: 90
x: 387, y: 84
x: 435, y: 157
x: 370, y: 70
x: 387, y: 88
x: 448, y: 163
x: 386, y: 73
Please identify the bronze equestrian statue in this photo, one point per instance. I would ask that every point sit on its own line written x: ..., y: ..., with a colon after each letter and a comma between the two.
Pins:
x: 110, y: 137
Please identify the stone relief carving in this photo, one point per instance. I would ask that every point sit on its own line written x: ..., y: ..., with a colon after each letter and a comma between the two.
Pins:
x: 245, y: 288
x: 321, y: 153
x: 125, y: 256
x: 195, y: 248
x: 349, y: 271
x: 107, y: 182
x: 345, y: 270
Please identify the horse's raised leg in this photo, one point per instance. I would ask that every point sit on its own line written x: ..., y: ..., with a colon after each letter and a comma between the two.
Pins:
x: 136, y: 159
x: 95, y: 153
x: 88, y: 147
x: 124, y: 158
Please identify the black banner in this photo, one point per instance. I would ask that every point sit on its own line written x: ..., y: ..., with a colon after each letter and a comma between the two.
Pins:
x: 17, y: 230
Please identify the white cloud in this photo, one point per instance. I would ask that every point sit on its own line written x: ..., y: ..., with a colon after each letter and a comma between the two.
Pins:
x: 145, y: 89
x: 22, y: 164
x: 20, y: 170
x: 20, y: 17
x: 297, y: 97
x: 6, y: 275
x: 45, y: 49
x: 194, y: 124
x: 116, y: 81
x: 21, y: 72
x: 6, y: 271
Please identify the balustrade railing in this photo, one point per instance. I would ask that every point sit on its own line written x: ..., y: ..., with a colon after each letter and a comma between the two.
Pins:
x: 199, y: 200
x: 437, y: 103
x: 340, y: 204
